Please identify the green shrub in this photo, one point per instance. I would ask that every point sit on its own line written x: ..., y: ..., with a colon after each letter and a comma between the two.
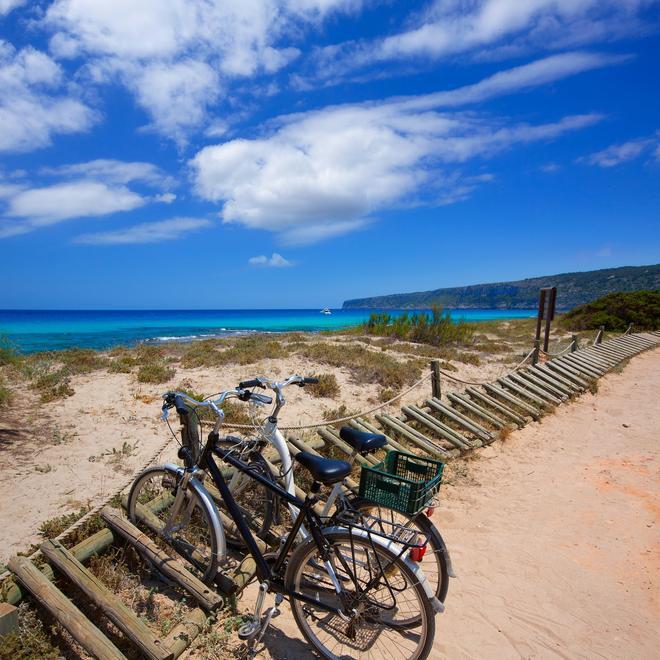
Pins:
x: 5, y: 395
x: 8, y: 353
x: 326, y: 387
x: 616, y: 311
x: 247, y: 350
x: 81, y: 360
x: 53, y: 384
x: 366, y: 366
x: 436, y: 328
x: 155, y: 372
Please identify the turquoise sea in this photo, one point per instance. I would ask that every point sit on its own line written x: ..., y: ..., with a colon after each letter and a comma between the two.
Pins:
x: 43, y: 330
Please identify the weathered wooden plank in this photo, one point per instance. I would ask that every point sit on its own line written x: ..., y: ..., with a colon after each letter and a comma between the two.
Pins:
x: 562, y: 384
x: 184, y: 633
x: 576, y: 369
x: 598, y: 362
x: 460, y: 419
x: 102, y: 597
x: 569, y: 372
x: 490, y: 401
x: 436, y: 426
x: 63, y: 610
x: 475, y: 409
x: 92, y: 545
x: 525, y: 391
x: 544, y: 383
x: 527, y: 381
x: 170, y: 567
x: 533, y: 412
x: 413, y: 436
x: 582, y: 366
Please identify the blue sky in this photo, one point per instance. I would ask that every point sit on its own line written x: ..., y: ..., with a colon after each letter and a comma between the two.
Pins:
x: 241, y: 154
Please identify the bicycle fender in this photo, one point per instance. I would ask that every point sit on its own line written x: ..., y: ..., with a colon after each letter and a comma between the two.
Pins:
x: 204, y: 495
x: 395, y: 547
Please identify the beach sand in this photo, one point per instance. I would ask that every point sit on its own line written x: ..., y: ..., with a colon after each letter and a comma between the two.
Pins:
x: 78, y: 451
x: 553, y: 535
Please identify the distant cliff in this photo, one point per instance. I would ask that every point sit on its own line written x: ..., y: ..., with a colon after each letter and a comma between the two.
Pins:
x: 572, y: 289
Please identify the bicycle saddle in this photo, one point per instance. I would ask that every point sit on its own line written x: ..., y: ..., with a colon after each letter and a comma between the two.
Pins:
x: 324, y: 470
x: 362, y: 442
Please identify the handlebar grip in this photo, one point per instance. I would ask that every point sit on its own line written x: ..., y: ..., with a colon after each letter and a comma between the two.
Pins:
x: 310, y: 381
x: 255, y: 382
x: 180, y: 405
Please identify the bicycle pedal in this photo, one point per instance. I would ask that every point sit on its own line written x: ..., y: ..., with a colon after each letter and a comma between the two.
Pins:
x: 249, y: 630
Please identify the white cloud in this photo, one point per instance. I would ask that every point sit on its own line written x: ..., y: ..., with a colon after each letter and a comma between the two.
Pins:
x: 33, y: 103
x: 64, y: 201
x: 7, y: 5
x: 616, y: 154
x: 483, y: 29
x: 177, y: 56
x: 275, y: 261
x: 147, y: 232
x: 113, y: 171
x: 324, y: 173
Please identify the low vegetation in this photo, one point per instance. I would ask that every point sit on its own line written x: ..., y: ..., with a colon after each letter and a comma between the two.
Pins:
x: 436, y: 328
x: 247, y: 350
x: 616, y: 311
x: 155, y: 372
x: 365, y: 366
x: 326, y: 387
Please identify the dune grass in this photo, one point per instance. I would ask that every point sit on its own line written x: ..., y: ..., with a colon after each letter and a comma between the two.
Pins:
x: 436, y: 328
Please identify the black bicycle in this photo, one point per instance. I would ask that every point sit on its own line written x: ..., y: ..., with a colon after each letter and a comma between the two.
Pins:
x: 354, y: 589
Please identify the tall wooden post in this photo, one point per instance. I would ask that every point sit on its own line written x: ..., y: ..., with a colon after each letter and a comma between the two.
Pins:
x: 535, y: 354
x: 574, y: 343
x: 436, y: 389
x: 599, y: 336
x: 539, y: 318
x: 549, y: 315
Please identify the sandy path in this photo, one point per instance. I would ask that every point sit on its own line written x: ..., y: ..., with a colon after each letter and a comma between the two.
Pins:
x: 553, y: 535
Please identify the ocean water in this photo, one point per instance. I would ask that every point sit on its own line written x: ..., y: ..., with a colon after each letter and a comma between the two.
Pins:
x: 45, y: 330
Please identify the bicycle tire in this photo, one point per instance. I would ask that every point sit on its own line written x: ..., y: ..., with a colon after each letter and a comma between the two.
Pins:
x: 201, y: 560
x: 363, y: 630
x: 439, y: 580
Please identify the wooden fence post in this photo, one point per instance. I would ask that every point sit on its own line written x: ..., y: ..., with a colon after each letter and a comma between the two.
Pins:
x: 436, y: 389
x: 574, y: 343
x: 599, y: 336
x: 628, y: 329
x: 535, y: 354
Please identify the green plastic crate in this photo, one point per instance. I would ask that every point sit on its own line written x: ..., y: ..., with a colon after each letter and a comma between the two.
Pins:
x: 403, y: 482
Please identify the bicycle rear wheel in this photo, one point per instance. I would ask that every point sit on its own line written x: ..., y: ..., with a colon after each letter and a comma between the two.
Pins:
x: 378, y: 587
x: 435, y: 562
x: 190, y: 533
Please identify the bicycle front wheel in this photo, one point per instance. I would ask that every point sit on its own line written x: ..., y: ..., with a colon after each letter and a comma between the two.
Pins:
x: 183, y: 526
x: 381, y: 592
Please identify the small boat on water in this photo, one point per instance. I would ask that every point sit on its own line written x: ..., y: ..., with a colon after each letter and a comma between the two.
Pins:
x: 326, y: 311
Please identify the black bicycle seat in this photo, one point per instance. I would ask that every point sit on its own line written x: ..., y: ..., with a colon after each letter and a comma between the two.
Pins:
x: 324, y: 470
x: 362, y: 442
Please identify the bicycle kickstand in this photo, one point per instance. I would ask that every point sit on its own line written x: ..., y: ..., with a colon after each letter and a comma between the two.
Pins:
x: 254, y: 630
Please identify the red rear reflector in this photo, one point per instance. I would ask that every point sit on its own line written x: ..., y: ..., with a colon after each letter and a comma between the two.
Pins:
x: 429, y: 511
x: 417, y: 553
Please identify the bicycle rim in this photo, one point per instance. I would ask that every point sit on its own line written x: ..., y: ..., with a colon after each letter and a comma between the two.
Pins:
x: 434, y: 563
x: 374, y: 631
x: 191, y: 537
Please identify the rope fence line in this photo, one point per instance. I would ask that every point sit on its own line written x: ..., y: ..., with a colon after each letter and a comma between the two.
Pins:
x: 559, y: 353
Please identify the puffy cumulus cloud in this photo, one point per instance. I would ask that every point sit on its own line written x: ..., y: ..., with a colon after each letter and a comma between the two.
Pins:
x: 324, y: 173
x: 616, y: 154
x: 146, y: 232
x: 275, y: 261
x: 34, y: 103
x: 176, y: 56
x: 489, y: 29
